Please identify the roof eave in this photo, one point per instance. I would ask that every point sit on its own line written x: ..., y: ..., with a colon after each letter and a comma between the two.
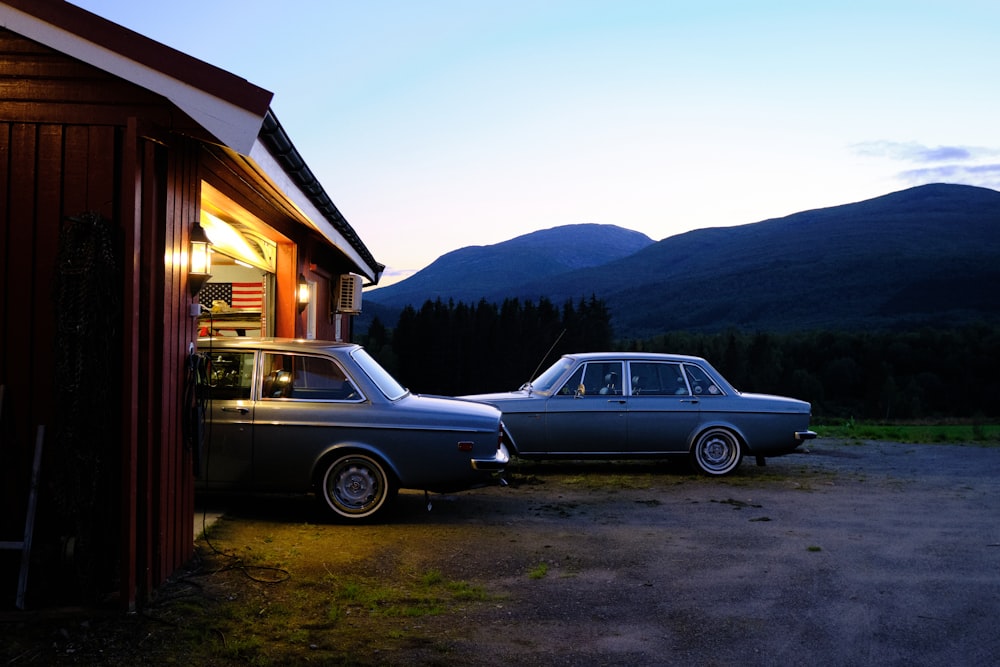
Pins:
x: 278, y: 159
x: 230, y: 108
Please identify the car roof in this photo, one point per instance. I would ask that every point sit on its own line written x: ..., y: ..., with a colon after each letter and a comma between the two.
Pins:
x: 631, y: 356
x: 284, y: 344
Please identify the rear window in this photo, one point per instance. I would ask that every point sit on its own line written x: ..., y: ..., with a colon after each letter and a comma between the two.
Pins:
x: 701, y: 383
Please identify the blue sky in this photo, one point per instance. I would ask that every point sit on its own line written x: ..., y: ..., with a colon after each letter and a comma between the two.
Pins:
x: 438, y: 124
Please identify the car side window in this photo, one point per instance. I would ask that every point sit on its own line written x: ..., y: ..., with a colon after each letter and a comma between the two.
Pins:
x: 230, y: 375
x: 574, y: 385
x: 701, y: 383
x: 657, y: 379
x: 596, y: 378
x: 305, y: 378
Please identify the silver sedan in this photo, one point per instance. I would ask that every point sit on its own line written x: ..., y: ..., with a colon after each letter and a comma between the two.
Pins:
x: 633, y: 405
x: 297, y: 416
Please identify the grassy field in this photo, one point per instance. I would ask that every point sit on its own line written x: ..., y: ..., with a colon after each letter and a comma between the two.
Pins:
x: 911, y: 432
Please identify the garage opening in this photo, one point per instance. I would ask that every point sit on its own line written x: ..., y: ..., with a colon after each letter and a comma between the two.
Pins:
x: 238, y: 299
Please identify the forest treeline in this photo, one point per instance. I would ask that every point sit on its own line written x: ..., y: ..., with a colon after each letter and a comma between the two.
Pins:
x: 453, y: 349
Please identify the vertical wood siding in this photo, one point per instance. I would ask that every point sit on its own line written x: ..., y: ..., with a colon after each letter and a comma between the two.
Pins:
x: 72, y: 143
x: 23, y: 319
x: 64, y: 171
x: 158, y: 493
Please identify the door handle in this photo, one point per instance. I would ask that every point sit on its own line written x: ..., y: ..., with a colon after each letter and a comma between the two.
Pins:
x: 242, y: 411
x: 689, y: 400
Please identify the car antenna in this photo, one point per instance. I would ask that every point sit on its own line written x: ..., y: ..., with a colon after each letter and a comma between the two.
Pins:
x: 527, y: 385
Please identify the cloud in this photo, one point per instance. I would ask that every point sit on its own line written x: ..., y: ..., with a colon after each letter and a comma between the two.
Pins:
x: 912, y: 151
x: 986, y: 175
x: 970, y: 165
x: 943, y: 153
x: 390, y: 276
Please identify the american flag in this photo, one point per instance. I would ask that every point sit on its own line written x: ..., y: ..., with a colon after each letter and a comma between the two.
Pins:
x: 245, y: 296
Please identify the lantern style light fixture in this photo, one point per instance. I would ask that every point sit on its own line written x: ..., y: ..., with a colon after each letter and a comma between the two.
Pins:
x: 200, y: 258
x: 303, y: 293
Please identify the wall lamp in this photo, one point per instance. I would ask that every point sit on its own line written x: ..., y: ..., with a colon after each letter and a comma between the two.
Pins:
x: 302, y: 293
x: 200, y: 255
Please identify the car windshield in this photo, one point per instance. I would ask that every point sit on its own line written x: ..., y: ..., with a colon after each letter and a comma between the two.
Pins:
x: 385, y: 382
x: 545, y: 383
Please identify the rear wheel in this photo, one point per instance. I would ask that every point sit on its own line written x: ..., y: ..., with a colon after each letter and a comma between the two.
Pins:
x: 717, y: 451
x: 355, y: 486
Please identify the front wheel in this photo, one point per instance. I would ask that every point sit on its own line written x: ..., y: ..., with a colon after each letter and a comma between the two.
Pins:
x: 355, y: 486
x: 717, y: 452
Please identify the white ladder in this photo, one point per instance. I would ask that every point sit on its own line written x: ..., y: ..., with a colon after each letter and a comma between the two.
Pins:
x: 24, y: 546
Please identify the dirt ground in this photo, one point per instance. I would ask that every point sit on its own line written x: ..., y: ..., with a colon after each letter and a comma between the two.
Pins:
x: 850, y: 554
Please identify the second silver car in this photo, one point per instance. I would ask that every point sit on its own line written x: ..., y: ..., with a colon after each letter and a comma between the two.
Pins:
x: 630, y: 405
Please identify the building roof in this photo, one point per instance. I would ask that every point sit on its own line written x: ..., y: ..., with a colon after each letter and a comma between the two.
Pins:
x: 231, y: 109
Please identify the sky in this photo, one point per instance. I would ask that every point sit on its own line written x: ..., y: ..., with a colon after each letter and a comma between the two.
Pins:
x: 440, y: 124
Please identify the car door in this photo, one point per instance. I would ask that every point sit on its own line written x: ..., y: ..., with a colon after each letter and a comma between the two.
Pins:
x: 227, y: 459
x: 662, y: 411
x: 588, y: 415
x: 307, y: 402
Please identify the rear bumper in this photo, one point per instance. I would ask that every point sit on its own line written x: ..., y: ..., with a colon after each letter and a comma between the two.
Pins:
x: 495, y: 464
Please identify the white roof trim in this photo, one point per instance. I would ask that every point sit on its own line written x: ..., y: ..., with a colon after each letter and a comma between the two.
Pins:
x: 233, y: 126
x: 269, y: 167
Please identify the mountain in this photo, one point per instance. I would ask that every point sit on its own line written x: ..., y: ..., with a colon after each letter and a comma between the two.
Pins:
x: 469, y: 273
x: 928, y: 255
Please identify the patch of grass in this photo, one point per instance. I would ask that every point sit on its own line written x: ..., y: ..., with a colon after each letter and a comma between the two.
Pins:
x: 366, y: 595
x: 798, y: 477
x: 241, y: 647
x: 413, y: 608
x: 813, y: 547
x: 298, y: 636
x: 599, y: 474
x: 320, y: 616
x: 432, y: 578
x: 432, y: 596
x: 539, y: 571
x: 462, y: 590
x: 912, y: 432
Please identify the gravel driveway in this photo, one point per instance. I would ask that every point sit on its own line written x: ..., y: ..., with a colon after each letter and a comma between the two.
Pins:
x: 850, y: 554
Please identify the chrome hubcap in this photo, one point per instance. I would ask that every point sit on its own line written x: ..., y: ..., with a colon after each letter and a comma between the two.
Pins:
x: 355, y: 486
x: 716, y: 452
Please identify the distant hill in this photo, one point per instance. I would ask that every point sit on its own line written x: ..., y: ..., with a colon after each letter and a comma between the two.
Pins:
x: 469, y: 273
x: 926, y: 256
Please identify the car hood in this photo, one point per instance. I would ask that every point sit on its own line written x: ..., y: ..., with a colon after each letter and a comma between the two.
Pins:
x: 503, y: 396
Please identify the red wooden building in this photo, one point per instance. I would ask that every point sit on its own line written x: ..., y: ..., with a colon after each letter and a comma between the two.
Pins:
x: 117, y: 154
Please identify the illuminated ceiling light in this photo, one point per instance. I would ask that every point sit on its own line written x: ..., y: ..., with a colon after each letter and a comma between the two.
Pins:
x: 229, y: 241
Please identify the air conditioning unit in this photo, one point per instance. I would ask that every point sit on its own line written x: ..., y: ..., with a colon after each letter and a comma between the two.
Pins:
x: 347, y: 298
